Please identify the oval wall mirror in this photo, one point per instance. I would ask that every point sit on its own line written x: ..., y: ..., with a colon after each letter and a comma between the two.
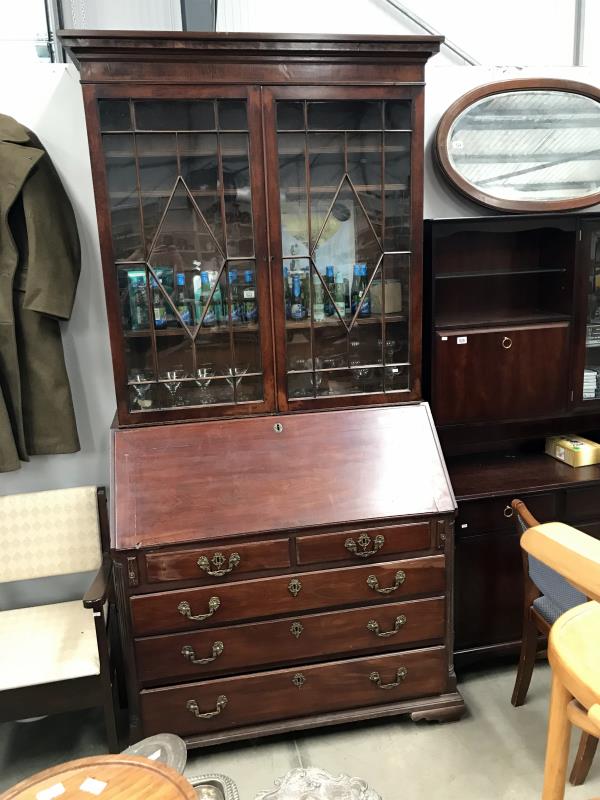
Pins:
x: 524, y: 145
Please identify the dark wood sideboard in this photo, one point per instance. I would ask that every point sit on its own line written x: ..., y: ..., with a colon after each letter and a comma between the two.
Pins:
x: 511, y: 323
x: 284, y: 573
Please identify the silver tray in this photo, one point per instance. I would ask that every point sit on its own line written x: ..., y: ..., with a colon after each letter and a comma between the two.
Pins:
x: 214, y: 787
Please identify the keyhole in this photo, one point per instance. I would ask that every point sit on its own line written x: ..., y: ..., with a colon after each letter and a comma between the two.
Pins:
x: 278, y: 427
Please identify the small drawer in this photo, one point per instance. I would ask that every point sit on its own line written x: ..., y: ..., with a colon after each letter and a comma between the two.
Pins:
x: 239, y: 648
x: 225, y: 703
x: 583, y: 503
x: 477, y: 517
x: 194, y: 608
x: 213, y: 564
x: 363, y: 544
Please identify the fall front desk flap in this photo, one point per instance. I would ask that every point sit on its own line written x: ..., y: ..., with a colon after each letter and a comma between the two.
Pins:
x: 206, y: 480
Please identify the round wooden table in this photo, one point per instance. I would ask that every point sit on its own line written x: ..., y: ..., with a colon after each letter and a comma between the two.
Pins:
x: 109, y: 777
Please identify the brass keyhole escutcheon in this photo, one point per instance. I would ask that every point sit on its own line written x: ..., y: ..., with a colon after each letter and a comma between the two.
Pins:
x: 278, y: 427
x: 294, y: 587
x: 299, y: 680
x: 296, y: 629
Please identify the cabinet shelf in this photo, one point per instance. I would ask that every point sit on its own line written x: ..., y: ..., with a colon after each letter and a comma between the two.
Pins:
x: 492, y: 319
x: 508, y: 273
x: 224, y: 329
x: 334, y: 323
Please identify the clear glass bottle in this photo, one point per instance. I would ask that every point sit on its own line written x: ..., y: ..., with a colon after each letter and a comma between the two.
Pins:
x: 318, y: 303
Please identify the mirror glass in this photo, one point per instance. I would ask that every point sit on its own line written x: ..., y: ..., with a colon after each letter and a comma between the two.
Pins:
x: 524, y: 149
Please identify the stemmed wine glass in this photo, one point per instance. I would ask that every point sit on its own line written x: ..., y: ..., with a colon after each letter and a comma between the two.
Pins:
x: 202, y: 378
x: 234, y: 375
x: 172, y: 380
x: 142, y: 383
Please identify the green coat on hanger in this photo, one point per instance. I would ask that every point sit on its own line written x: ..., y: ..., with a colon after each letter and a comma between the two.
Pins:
x: 39, y: 269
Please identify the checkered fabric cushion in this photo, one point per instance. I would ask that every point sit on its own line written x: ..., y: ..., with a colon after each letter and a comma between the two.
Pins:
x: 549, y: 610
x: 49, y: 533
x: 46, y: 644
x: 554, y: 586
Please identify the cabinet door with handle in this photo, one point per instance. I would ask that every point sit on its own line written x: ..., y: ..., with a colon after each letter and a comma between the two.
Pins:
x: 500, y: 373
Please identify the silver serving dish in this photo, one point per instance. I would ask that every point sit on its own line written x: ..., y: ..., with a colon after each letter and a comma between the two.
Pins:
x: 165, y: 747
x: 214, y: 787
x: 316, y: 784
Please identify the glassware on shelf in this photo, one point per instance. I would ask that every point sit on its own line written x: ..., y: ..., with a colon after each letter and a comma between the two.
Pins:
x: 234, y: 375
x: 141, y: 383
x: 202, y: 378
x: 172, y: 380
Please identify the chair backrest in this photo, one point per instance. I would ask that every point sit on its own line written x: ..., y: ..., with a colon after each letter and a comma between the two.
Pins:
x: 550, y: 582
x: 48, y: 533
x: 574, y: 553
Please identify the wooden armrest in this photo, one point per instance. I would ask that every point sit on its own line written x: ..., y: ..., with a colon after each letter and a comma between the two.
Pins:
x: 594, y: 714
x: 96, y: 595
x: 570, y: 552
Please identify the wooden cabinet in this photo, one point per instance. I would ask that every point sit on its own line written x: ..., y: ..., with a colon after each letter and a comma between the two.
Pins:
x: 259, y: 202
x: 327, y: 573
x: 486, y: 374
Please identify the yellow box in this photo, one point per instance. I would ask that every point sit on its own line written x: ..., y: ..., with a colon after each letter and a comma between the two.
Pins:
x: 573, y: 450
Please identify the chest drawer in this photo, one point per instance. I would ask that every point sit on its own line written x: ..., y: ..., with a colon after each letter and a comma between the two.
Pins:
x: 288, y: 594
x: 211, y: 565
x: 477, y: 517
x: 362, y: 545
x: 296, y: 639
x: 293, y: 693
x: 583, y: 503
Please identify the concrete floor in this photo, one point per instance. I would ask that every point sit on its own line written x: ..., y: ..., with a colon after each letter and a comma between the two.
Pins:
x: 495, y: 752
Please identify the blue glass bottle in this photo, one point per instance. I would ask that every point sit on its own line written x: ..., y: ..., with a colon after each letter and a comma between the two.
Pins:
x: 250, y: 306
x: 330, y: 283
x: 365, y: 309
x: 298, y: 307
x: 236, y: 302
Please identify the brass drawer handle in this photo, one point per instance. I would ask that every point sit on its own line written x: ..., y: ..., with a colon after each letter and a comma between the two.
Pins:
x: 401, y: 674
x: 372, y: 625
x: 373, y: 583
x: 187, y: 651
x: 507, y: 343
x: 294, y: 587
x: 508, y: 512
x: 218, y: 561
x: 192, y: 707
x: 186, y: 611
x: 364, y: 541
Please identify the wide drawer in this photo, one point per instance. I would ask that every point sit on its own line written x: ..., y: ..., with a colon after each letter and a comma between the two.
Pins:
x: 313, y: 636
x: 363, y: 544
x: 211, y: 565
x: 495, y: 514
x: 583, y: 503
x: 165, y: 612
x: 293, y: 693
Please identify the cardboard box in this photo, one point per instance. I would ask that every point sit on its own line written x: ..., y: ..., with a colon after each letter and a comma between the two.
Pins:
x: 573, y: 450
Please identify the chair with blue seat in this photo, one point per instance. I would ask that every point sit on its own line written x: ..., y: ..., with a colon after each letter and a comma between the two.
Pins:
x: 546, y: 596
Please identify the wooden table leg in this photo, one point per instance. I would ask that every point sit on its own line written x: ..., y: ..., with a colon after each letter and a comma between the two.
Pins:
x: 557, y: 747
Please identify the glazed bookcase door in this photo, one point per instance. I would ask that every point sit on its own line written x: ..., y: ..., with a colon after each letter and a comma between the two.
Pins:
x: 586, y: 389
x: 185, y: 256
x: 345, y: 228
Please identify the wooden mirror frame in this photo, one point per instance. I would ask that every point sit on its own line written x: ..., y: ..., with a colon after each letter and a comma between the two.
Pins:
x: 442, y: 160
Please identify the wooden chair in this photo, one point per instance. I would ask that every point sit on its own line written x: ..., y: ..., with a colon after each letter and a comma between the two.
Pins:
x: 546, y: 595
x: 55, y: 657
x: 573, y: 645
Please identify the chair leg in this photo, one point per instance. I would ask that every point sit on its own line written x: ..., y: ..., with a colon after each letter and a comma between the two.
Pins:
x: 526, y: 663
x: 557, y: 747
x: 110, y: 720
x: 583, y: 759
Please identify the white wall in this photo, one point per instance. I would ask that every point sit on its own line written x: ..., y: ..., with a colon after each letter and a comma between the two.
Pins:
x: 47, y: 99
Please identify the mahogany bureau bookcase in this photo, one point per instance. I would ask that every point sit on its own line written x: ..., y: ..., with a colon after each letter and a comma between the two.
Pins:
x: 259, y: 202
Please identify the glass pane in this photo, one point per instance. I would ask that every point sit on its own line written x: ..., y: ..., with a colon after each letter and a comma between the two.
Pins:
x: 326, y: 169
x: 174, y: 115
x: 200, y: 170
x: 397, y: 191
x: 591, y: 375
x: 114, y: 115
x: 133, y: 295
x: 121, y: 177
x: 238, y: 201
x: 354, y: 115
x: 292, y: 188
x: 157, y: 161
x: 290, y: 115
x: 397, y: 114
x: 232, y: 115
x: 365, y: 171
x: 397, y: 378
